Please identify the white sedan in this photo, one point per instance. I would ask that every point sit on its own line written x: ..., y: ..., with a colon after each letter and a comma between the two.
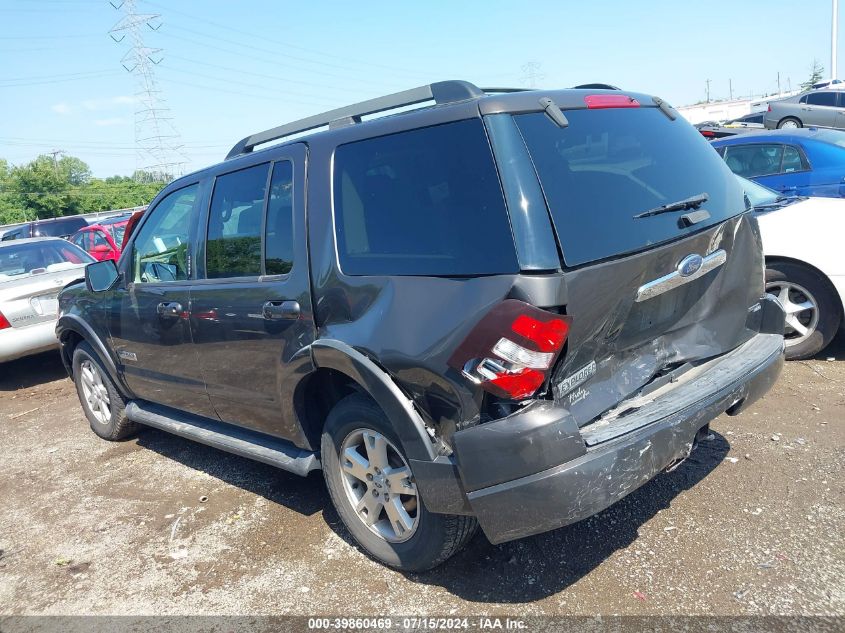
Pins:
x: 32, y: 273
x: 805, y: 264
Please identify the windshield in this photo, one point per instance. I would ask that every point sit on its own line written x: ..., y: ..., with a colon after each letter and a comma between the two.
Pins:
x: 117, y: 231
x: 609, y: 165
x: 38, y: 257
x: 757, y: 194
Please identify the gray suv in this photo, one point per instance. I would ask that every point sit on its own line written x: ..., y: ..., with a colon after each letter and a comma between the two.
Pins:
x: 819, y: 108
x: 506, y: 310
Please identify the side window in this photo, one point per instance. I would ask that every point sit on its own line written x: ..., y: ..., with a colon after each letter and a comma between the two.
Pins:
x: 99, y: 239
x: 278, y: 239
x: 791, y: 159
x: 81, y: 240
x: 822, y: 98
x: 422, y: 202
x: 754, y: 160
x: 803, y: 99
x: 233, y: 248
x: 160, y: 251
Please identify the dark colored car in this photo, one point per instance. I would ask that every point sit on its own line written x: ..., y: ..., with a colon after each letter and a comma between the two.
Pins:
x: 748, y: 123
x: 808, y: 162
x: 103, y: 240
x: 509, y: 310
x: 54, y: 227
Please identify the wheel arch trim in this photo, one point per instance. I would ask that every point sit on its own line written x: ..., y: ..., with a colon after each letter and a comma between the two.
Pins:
x: 407, y: 422
x: 68, y: 324
x: 822, y: 275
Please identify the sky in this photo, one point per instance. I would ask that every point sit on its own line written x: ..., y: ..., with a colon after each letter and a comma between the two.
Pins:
x: 227, y: 69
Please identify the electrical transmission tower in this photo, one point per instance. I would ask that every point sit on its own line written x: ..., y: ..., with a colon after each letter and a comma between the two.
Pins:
x: 531, y: 74
x: 157, y: 143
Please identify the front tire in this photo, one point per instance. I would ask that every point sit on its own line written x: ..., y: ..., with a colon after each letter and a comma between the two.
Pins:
x: 102, y: 403
x: 813, y: 312
x: 789, y: 123
x: 372, y: 487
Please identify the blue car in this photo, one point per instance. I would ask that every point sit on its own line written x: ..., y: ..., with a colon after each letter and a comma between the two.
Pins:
x: 795, y: 162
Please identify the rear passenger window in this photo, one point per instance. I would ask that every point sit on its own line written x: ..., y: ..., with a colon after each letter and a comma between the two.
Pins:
x: 233, y: 248
x: 822, y: 98
x: 754, y: 160
x: 791, y: 159
x: 278, y: 241
x: 423, y: 202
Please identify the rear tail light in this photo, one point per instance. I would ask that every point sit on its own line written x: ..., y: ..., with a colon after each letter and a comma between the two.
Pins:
x: 610, y: 101
x: 4, y: 322
x: 512, y: 349
x: 707, y: 133
x: 769, y: 108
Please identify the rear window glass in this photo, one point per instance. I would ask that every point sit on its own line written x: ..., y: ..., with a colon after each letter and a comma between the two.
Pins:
x: 59, y: 228
x: 609, y: 165
x: 423, y: 202
x: 47, y: 256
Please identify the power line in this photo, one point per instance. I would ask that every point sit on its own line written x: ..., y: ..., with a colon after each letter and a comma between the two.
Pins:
x: 252, y: 35
x: 156, y: 138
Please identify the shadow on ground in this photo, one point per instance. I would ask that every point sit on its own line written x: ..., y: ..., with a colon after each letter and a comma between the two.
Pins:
x: 30, y: 371
x: 516, y: 572
x: 303, y: 495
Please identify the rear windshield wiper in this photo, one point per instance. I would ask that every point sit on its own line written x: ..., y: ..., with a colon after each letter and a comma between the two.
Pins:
x: 692, y: 202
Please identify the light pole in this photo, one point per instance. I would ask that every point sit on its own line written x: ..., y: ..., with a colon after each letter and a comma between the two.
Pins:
x: 833, y: 37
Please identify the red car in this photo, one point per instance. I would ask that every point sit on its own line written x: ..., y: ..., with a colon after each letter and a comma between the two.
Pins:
x: 103, y: 240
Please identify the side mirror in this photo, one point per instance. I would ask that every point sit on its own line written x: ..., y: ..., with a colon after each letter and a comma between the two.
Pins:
x: 101, y: 276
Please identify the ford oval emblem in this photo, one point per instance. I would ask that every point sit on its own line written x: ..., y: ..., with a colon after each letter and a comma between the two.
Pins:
x: 690, y: 265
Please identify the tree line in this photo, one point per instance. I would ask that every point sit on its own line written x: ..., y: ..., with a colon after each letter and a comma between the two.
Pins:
x: 48, y: 187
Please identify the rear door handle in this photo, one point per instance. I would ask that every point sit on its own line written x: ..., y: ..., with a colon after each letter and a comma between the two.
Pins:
x: 169, y: 309
x: 276, y: 310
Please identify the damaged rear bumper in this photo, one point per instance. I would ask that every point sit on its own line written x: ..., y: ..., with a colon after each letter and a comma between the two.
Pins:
x: 536, y: 471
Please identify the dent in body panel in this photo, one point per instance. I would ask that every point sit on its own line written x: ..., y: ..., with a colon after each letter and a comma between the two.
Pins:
x: 630, y: 341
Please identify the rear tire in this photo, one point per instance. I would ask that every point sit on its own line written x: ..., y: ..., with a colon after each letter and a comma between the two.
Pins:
x: 808, y: 330
x: 789, y: 122
x: 103, y: 405
x: 395, y: 529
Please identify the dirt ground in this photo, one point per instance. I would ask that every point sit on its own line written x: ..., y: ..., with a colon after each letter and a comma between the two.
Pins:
x: 752, y: 523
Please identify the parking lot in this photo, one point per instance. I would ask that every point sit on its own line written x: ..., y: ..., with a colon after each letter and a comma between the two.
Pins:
x: 750, y: 524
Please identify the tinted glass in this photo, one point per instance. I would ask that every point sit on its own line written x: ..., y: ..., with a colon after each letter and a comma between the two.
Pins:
x: 608, y: 165
x: 278, y: 241
x: 791, y: 159
x: 233, y: 248
x: 60, y: 227
x: 750, y: 161
x: 48, y: 256
x: 117, y: 231
x: 99, y: 239
x: 423, y: 202
x: 81, y: 240
x: 822, y: 98
x: 160, y: 251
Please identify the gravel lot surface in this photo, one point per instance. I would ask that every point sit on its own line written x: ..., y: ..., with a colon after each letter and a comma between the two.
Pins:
x: 752, y: 523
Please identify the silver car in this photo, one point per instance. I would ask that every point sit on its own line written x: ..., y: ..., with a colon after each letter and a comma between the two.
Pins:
x: 818, y: 108
x: 32, y: 272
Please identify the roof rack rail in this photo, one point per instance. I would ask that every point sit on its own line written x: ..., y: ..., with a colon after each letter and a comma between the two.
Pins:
x: 503, y: 90
x: 439, y: 92
x: 596, y: 86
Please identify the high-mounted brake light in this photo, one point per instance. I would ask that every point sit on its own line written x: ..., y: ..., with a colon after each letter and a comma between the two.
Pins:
x: 4, y: 322
x: 598, y: 102
x: 511, y: 350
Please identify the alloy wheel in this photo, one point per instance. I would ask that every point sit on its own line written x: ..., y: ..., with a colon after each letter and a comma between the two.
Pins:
x: 379, y: 485
x: 801, y: 307
x: 95, y: 392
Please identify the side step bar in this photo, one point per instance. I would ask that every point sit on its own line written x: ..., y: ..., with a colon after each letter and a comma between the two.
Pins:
x: 227, y: 437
